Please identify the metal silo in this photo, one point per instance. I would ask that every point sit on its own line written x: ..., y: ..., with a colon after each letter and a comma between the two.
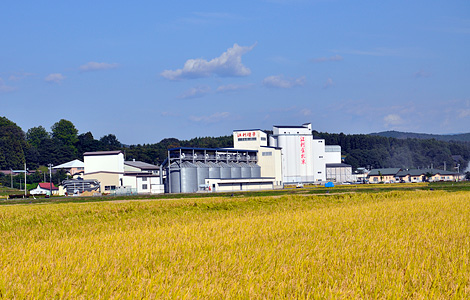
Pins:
x: 236, y: 171
x: 202, y: 172
x: 188, y: 178
x: 246, y: 170
x: 225, y: 170
x: 214, y: 170
x: 174, y: 182
x: 255, y: 170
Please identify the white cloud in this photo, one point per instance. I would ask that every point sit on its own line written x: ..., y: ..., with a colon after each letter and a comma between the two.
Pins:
x: 54, y: 78
x: 328, y: 83
x: 393, y: 119
x: 214, y: 118
x: 464, y: 113
x: 19, y: 76
x: 195, y: 92
x: 233, y: 87
x: 5, y: 88
x: 278, y: 81
x: 95, y: 66
x: 305, y: 112
x: 226, y: 65
x: 324, y: 59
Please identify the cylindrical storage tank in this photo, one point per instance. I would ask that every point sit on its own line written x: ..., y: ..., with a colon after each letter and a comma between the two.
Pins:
x: 255, y: 170
x: 246, y: 170
x: 236, y: 170
x: 174, y: 175
x: 188, y: 178
x: 214, y: 170
x: 225, y: 170
x: 202, y: 173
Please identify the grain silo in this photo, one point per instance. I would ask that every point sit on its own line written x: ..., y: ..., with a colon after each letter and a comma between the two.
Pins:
x: 236, y: 171
x: 202, y: 172
x: 255, y: 170
x: 225, y: 171
x: 246, y: 170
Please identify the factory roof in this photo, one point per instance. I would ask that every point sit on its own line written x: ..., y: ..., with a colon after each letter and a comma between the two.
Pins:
x: 141, y: 165
x: 292, y: 126
x: 102, y: 153
x: 340, y: 165
x: 249, y: 130
x: 212, y: 149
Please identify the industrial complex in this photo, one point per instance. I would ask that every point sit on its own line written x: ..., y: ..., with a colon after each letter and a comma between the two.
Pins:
x: 287, y: 155
x: 258, y: 160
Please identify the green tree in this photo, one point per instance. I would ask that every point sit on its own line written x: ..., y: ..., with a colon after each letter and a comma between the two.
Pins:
x: 65, y: 138
x: 12, y: 145
x: 110, y: 142
x: 41, y: 147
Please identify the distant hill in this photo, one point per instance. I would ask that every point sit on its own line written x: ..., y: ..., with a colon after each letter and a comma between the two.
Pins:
x: 462, y: 137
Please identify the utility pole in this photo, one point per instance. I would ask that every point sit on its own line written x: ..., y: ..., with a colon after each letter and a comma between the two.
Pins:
x: 25, y: 188
x: 50, y: 178
x: 11, y: 177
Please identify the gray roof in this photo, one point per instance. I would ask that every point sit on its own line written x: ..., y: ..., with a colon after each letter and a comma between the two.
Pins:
x: 421, y: 172
x: 141, y: 165
x: 384, y: 172
x: 340, y: 165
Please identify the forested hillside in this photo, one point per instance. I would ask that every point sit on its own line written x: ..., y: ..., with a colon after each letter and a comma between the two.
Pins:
x: 361, y: 150
x: 462, y: 137
x: 39, y: 147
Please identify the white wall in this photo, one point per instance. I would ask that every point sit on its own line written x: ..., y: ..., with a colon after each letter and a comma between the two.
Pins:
x: 249, y: 139
x: 105, y: 162
x: 319, y: 159
x: 297, y: 157
x: 152, y: 183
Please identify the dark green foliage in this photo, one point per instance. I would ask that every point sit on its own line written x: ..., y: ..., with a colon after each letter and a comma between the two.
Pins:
x: 12, y: 145
x: 110, y: 142
x: 463, y: 137
x: 374, y: 151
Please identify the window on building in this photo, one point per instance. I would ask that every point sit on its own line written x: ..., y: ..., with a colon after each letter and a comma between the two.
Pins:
x: 320, y: 156
x: 263, y: 139
x: 144, y: 186
x: 267, y: 154
x: 109, y: 187
x: 144, y: 178
x: 246, y: 139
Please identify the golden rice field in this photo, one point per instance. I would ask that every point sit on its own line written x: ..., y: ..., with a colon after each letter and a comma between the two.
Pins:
x: 390, y: 245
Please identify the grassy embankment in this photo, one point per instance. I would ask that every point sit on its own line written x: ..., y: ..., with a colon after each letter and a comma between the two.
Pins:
x: 395, y: 244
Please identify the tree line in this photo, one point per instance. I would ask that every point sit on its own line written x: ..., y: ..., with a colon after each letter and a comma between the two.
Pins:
x: 39, y: 147
x: 373, y: 151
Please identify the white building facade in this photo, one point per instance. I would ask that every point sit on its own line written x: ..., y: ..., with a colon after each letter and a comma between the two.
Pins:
x: 291, y: 154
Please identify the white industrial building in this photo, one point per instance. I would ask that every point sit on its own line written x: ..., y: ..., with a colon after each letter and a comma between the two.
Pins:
x: 118, y: 176
x: 291, y: 154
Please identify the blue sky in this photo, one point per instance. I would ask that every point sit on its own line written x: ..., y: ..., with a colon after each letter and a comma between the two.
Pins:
x: 149, y: 70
